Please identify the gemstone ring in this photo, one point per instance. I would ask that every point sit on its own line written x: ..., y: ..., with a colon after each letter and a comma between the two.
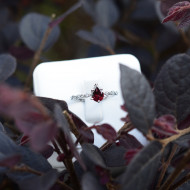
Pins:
x: 96, y: 94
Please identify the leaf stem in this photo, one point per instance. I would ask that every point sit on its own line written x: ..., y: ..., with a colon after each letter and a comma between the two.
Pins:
x: 176, y: 172
x: 25, y: 168
x: 165, y: 165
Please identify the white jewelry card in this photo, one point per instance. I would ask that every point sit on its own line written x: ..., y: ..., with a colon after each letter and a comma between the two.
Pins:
x: 63, y: 79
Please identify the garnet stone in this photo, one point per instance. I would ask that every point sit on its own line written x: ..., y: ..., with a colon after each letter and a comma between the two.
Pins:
x: 97, y: 94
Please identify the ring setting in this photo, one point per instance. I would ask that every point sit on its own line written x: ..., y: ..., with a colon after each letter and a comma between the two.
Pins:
x: 96, y: 94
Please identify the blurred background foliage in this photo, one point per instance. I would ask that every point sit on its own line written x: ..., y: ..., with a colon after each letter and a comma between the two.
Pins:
x: 137, y: 30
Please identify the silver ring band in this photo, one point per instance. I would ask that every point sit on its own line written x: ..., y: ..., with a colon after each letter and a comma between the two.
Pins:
x: 96, y: 95
x: 81, y: 97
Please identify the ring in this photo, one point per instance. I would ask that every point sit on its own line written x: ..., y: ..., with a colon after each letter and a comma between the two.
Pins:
x: 96, y: 94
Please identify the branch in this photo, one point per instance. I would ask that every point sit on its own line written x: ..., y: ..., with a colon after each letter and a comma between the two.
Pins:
x: 165, y: 165
x: 64, y: 15
x: 176, y: 172
x: 180, y: 182
x: 37, y: 56
x: 174, y: 137
x: 68, y: 160
x: 25, y: 168
x: 51, y: 25
x: 72, y: 125
x: 126, y: 127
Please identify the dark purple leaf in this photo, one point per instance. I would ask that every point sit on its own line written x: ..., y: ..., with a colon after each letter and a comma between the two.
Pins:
x: 11, y: 33
x: 126, y: 119
x: 87, y: 135
x: 30, y: 115
x: 2, y: 129
x: 63, y: 123
x: 90, y: 182
x: 166, y: 39
x: 105, y: 36
x: 4, y: 15
x: 166, y: 4
x: 179, y: 12
x: 32, y: 29
x: 7, y: 66
x: 144, y: 10
x: 58, y: 20
x: 47, y: 151
x: 21, y: 53
x: 42, y: 134
x: 81, y: 126
x: 7, y: 146
x: 114, y: 156
x: 89, y: 7
x: 185, y: 186
x: 106, y: 13
x: 49, y: 103
x: 164, y: 126
x: 123, y: 107
x: 45, y: 182
x: 183, y: 141
x: 61, y: 157
x: 171, y: 88
x: 129, y: 142
x: 91, y: 153
x: 138, y: 98
x: 34, y: 160
x: 107, y: 131
x: 10, y: 161
x: 129, y: 155
x: 185, y: 123
x: 103, y: 175
x: 101, y: 36
x: 24, y: 140
x: 142, y: 167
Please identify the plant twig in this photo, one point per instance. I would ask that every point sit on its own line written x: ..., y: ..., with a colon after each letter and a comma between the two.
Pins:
x: 72, y: 125
x: 57, y: 150
x: 126, y: 127
x: 37, y: 56
x: 25, y: 168
x: 180, y: 182
x: 165, y: 165
x: 110, y: 50
x: 68, y: 160
x: 176, y: 172
x: 64, y: 15
x: 131, y: 8
x: 174, y: 137
x: 45, y: 37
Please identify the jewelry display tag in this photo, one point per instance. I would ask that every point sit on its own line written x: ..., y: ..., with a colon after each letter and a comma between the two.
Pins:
x: 65, y: 79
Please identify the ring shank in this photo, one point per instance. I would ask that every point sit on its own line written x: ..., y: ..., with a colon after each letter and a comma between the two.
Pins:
x: 81, y: 97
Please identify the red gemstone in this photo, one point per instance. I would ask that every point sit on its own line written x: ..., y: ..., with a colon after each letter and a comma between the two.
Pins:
x: 97, y: 95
